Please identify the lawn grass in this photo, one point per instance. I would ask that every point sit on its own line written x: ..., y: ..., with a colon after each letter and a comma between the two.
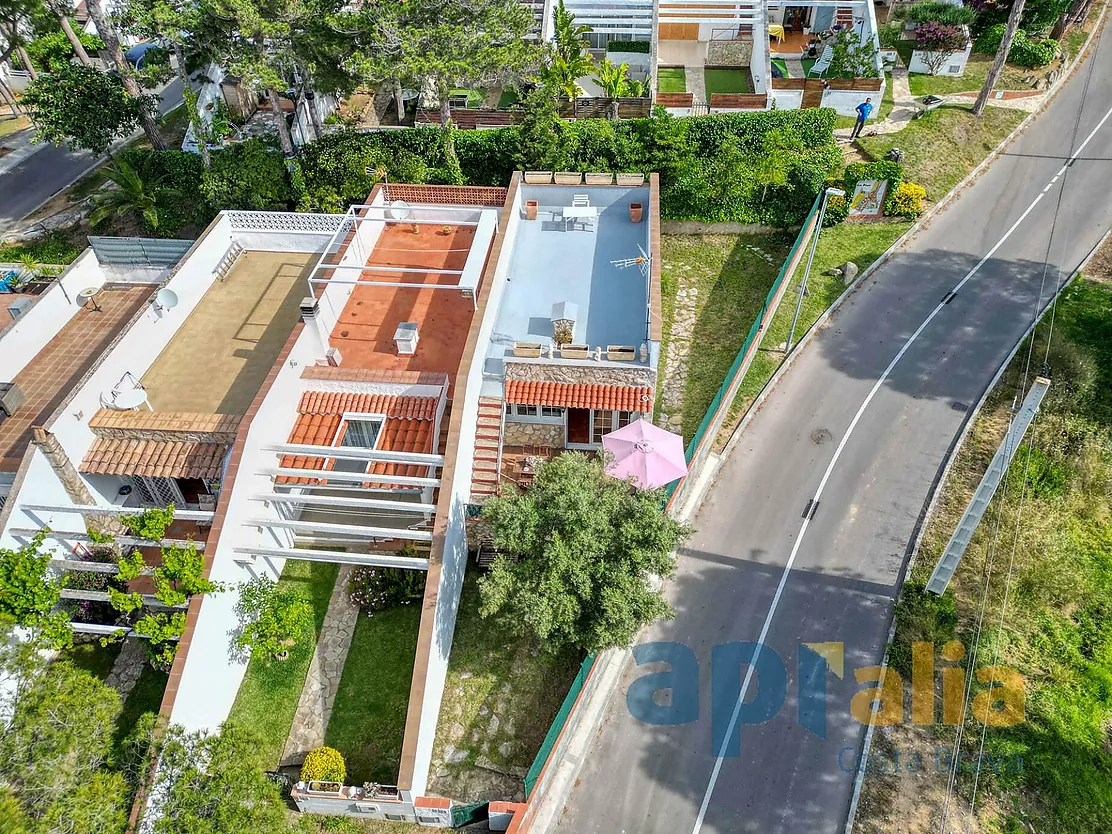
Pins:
x: 501, y: 695
x: 267, y: 698
x: 145, y: 699
x: 725, y: 81
x: 1057, y: 632
x: 474, y: 96
x: 55, y: 247
x: 13, y: 124
x: 976, y: 71
x: 671, y: 80
x: 316, y: 824
x: 717, y: 284
x: 944, y: 145
x: 861, y: 243
x: 368, y: 717
x: 94, y: 658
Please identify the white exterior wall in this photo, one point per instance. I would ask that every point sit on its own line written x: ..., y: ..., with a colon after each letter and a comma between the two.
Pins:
x: 455, y: 535
x: 954, y: 65
x: 787, y: 99
x: 21, y: 341
x: 845, y: 102
x: 41, y: 486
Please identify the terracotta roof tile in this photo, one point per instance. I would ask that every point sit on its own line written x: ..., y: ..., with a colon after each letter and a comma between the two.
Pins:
x: 569, y: 395
x: 154, y: 458
x: 338, y: 402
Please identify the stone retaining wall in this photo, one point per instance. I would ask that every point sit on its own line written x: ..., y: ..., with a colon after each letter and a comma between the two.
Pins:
x: 729, y: 53
x: 535, y: 434
x: 585, y: 372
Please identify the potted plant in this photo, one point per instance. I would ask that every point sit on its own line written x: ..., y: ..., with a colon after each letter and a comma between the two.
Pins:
x: 563, y: 333
x: 531, y: 209
x: 635, y: 212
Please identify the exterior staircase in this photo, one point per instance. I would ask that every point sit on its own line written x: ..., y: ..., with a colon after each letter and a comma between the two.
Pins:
x: 488, y: 446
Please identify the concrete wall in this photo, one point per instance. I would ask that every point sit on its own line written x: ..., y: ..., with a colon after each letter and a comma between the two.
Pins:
x: 787, y: 99
x: 845, y: 102
x: 41, y: 486
x: 953, y: 65
x: 24, y: 337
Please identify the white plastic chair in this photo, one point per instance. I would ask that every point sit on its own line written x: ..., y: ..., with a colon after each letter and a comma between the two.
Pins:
x: 823, y: 63
x: 580, y: 201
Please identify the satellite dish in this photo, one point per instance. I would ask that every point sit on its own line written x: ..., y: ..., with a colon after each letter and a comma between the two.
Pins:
x: 166, y: 299
x: 399, y: 210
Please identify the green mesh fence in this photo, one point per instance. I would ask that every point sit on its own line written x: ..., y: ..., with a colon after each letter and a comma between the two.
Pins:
x: 754, y: 332
x: 557, y: 725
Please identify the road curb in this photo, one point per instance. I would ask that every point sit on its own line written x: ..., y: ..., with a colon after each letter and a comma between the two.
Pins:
x: 919, y: 224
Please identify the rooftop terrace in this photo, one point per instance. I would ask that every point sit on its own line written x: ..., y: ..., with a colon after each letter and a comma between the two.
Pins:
x: 552, y: 262
x: 60, y: 365
x: 220, y: 356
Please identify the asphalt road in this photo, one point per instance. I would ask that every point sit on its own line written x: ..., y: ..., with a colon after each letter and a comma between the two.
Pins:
x: 52, y: 169
x: 863, y: 421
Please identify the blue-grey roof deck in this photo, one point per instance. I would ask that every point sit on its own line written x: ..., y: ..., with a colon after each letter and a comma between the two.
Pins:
x: 552, y: 263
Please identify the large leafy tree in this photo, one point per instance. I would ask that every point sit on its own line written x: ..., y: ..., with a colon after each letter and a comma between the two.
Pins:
x: 446, y: 44
x: 62, y: 9
x: 84, y: 108
x: 111, y: 40
x: 588, y: 548
x: 53, y: 749
x: 212, y: 783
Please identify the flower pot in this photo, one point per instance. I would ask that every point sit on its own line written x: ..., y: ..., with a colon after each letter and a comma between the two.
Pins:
x: 568, y: 178
x: 531, y: 209
x: 635, y: 212
x: 631, y: 179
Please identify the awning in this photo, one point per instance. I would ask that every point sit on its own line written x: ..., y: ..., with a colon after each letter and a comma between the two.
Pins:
x: 154, y: 458
x: 575, y: 395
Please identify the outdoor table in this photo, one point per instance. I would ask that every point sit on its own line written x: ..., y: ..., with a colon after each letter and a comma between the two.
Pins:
x: 578, y: 212
x: 776, y: 30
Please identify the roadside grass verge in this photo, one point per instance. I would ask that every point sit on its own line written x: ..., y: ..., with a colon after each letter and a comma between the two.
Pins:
x: 315, y: 824
x: 13, y: 124
x: 712, y: 289
x: 368, y: 717
x: 501, y: 695
x: 267, y: 698
x: 861, y: 243
x: 1055, y: 543
x: 55, y: 247
x: 976, y: 71
x: 944, y: 145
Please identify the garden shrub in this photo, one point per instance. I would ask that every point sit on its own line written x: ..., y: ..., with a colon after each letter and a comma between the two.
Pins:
x: 376, y: 589
x: 837, y: 210
x: 53, y: 51
x: 643, y: 47
x: 989, y: 40
x: 52, y: 248
x: 905, y: 201
x: 1031, y: 54
x: 249, y: 175
x: 941, y: 12
x: 882, y: 169
x: 325, y: 764
x: 178, y: 174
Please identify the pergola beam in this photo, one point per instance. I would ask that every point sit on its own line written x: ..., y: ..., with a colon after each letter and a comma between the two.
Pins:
x: 344, y: 529
x: 355, y: 453
x: 333, y: 557
x: 129, y: 541
x: 102, y: 596
x: 348, y: 503
x: 180, y: 515
x: 349, y: 477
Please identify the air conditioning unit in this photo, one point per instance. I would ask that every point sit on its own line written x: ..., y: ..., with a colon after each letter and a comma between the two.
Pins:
x: 19, y: 306
x: 11, y: 398
x: 406, y: 338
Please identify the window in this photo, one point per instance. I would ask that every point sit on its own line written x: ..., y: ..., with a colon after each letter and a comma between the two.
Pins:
x: 535, y: 413
x: 602, y: 423
x: 361, y: 434
x: 625, y: 418
x: 552, y: 411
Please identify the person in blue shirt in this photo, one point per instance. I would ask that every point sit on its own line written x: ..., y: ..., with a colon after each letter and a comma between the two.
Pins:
x: 863, y: 111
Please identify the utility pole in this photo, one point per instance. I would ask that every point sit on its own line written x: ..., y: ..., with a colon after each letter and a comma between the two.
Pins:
x: 830, y: 192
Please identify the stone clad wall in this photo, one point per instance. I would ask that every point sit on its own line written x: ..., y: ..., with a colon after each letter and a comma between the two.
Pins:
x: 729, y: 53
x: 536, y: 434
x: 581, y: 373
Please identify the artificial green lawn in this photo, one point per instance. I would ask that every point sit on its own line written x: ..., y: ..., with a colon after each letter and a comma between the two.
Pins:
x: 861, y: 243
x: 725, y: 81
x: 731, y: 279
x: 671, y: 80
x: 368, y: 716
x: 268, y: 696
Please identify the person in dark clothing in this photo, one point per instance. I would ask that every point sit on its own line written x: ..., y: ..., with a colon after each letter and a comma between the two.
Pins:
x: 863, y: 111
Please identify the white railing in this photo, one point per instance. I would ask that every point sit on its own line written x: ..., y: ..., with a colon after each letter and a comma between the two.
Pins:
x: 286, y: 221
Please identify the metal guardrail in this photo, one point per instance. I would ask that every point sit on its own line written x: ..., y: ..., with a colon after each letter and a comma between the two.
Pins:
x: 951, y: 557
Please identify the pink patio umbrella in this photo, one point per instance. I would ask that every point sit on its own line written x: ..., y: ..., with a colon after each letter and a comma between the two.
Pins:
x: 651, y: 456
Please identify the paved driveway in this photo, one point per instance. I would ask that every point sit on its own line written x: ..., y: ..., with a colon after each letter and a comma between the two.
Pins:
x: 863, y: 421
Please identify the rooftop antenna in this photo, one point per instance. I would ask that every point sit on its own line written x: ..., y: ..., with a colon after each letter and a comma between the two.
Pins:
x: 644, y: 261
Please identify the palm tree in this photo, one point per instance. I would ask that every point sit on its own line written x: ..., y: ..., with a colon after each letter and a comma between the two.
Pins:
x: 570, y: 60
x: 571, y: 40
x: 614, y: 82
x: 132, y: 195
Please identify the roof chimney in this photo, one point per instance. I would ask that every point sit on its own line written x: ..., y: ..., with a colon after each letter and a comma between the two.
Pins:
x: 406, y: 338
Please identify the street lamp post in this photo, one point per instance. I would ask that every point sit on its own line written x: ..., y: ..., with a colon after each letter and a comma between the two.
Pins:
x: 830, y: 192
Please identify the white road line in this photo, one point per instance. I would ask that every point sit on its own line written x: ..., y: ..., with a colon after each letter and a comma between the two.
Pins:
x: 830, y: 468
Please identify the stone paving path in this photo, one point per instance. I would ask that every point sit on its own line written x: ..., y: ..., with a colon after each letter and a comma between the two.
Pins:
x: 323, y: 679
x: 127, y: 668
x: 696, y: 84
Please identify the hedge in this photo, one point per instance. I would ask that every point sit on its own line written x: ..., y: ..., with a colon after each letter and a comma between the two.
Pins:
x: 643, y: 47
x: 882, y: 169
x: 1024, y: 52
x: 684, y: 151
x: 941, y: 12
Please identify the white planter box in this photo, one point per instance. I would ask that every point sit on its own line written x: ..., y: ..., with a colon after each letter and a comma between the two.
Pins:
x: 954, y: 65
